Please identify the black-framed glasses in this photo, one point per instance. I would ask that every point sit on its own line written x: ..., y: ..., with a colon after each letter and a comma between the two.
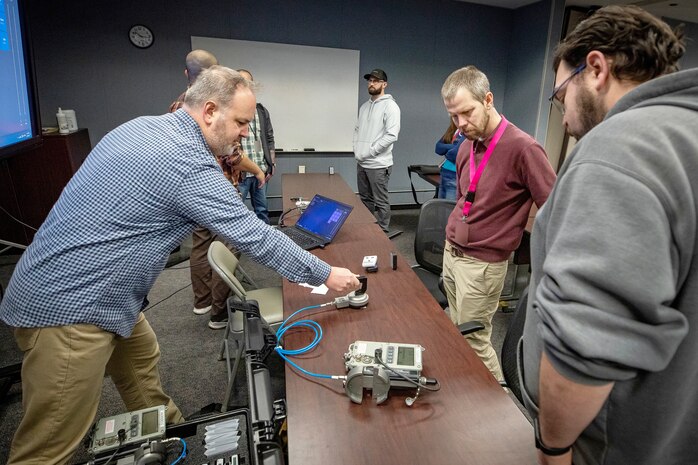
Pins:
x: 560, y: 104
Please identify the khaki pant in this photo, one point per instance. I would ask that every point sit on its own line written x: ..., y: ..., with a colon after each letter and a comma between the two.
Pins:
x: 208, y: 287
x: 62, y: 376
x: 473, y: 288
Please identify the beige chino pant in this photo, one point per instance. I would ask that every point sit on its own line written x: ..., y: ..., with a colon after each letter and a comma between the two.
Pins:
x: 473, y: 288
x: 62, y: 376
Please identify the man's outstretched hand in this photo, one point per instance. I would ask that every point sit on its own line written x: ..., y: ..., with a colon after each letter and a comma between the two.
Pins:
x: 342, y: 280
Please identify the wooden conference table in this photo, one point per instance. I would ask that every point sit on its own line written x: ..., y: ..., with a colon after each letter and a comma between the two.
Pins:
x: 471, y: 420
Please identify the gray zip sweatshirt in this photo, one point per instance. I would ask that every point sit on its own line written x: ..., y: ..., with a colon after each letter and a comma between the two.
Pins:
x: 376, y: 131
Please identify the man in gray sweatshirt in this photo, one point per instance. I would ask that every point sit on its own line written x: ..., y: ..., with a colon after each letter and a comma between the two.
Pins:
x: 374, y: 135
x: 610, y: 343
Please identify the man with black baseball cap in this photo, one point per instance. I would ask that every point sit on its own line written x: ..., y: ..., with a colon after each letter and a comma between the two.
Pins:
x: 378, y: 74
x: 374, y: 135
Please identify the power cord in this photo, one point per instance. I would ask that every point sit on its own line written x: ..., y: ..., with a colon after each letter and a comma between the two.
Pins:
x: 184, y: 267
x: 300, y: 206
x: 168, y: 297
x: 280, y: 223
x: 122, y: 437
x: 17, y: 220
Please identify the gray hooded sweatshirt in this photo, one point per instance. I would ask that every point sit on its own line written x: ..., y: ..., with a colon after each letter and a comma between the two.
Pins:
x: 376, y: 131
x: 614, y: 284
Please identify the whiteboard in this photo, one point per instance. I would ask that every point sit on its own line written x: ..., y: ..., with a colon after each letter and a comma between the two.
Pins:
x: 311, y: 92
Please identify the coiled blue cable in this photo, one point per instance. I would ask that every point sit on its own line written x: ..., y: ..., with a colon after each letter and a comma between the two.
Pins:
x: 314, y: 326
x: 183, y: 454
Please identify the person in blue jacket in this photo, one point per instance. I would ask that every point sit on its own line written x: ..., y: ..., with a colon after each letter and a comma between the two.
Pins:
x: 448, y: 146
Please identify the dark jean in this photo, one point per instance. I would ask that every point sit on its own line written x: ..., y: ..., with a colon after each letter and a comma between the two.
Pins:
x: 258, y: 197
x: 373, y: 192
x: 447, y: 188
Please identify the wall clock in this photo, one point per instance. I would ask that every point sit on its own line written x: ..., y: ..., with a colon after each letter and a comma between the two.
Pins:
x: 141, y: 36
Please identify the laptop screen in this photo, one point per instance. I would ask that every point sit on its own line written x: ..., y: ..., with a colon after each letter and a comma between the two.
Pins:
x: 324, y: 217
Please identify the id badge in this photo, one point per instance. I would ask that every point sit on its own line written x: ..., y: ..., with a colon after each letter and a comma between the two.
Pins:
x: 258, y: 146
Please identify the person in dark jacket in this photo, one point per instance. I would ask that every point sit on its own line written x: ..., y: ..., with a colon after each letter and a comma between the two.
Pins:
x: 259, y: 146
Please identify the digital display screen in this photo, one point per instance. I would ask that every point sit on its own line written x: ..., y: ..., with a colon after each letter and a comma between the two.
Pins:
x: 15, y: 112
x: 405, y: 356
x: 324, y: 217
x: 149, y: 423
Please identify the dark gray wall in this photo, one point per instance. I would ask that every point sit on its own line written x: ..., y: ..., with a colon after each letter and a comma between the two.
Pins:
x: 526, y: 58
x: 84, y: 60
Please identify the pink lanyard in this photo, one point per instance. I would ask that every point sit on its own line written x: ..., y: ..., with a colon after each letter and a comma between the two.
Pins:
x: 476, y: 173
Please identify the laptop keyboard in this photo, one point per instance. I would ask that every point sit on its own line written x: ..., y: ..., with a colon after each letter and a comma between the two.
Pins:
x: 300, y: 238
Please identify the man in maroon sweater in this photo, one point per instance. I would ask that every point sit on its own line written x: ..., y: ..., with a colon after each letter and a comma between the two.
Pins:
x: 501, y: 171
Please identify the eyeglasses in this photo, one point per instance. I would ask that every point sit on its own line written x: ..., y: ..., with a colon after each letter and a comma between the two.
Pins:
x: 375, y: 81
x: 560, y: 103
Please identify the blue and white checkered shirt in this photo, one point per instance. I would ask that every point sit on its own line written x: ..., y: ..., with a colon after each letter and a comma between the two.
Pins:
x: 142, y: 190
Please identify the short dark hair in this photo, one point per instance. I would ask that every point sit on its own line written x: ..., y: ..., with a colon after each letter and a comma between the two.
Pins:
x: 640, y: 45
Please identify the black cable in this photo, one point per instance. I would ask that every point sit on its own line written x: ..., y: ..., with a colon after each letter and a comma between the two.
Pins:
x: 169, y: 296
x: 177, y: 267
x: 113, y: 455
x: 283, y: 215
x: 377, y: 355
x: 122, y: 438
x: 18, y: 221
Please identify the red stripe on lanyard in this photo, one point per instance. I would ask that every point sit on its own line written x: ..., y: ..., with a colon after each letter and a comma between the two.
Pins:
x: 476, y: 173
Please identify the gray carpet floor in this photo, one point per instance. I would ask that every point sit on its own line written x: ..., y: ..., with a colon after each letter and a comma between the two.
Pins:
x: 190, y: 370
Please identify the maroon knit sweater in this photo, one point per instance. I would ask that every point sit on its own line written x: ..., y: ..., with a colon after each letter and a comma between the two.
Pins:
x: 517, y: 174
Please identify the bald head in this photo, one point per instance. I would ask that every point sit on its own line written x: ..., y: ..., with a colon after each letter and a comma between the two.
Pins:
x: 246, y: 74
x: 198, y: 60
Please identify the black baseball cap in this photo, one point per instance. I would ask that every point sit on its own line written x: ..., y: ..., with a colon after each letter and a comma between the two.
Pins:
x: 378, y: 74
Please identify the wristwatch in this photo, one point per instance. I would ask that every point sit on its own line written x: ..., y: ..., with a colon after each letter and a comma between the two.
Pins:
x: 551, y: 451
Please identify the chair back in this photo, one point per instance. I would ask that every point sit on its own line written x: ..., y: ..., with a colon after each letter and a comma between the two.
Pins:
x: 224, y: 262
x: 430, y: 237
x: 510, y: 367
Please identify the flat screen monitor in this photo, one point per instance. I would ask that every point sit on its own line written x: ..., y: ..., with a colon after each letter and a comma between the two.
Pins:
x: 19, y: 118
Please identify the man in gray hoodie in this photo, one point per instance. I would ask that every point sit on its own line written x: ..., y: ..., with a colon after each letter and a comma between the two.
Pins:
x: 611, y: 334
x: 374, y: 135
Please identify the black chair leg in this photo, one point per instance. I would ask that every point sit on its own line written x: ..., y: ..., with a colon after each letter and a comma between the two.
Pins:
x: 9, y: 375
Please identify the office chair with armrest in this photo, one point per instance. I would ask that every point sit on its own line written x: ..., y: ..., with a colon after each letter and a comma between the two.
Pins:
x: 509, y: 359
x: 423, y: 171
x: 271, y: 307
x: 429, y: 243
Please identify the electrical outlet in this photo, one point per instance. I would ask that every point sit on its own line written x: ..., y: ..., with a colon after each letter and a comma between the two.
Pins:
x: 301, y: 169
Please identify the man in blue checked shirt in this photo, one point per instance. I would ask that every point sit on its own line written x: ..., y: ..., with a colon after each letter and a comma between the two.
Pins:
x: 76, y: 294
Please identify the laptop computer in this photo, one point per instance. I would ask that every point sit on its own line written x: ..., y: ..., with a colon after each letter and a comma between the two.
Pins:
x: 319, y: 223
